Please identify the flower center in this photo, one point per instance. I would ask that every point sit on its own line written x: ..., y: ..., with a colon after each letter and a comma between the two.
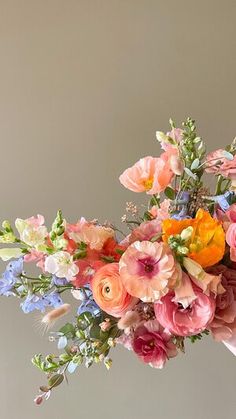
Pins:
x: 148, y: 184
x: 148, y: 267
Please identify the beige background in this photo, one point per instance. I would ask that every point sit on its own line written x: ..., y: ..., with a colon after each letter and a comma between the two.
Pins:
x: 84, y: 85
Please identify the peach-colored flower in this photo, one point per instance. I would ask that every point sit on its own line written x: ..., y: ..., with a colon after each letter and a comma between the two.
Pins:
x: 153, y: 345
x: 150, y: 174
x: 185, y: 321
x: 148, y: 270
x: 129, y: 319
x: 208, y: 282
x: 90, y: 233
x: 109, y: 292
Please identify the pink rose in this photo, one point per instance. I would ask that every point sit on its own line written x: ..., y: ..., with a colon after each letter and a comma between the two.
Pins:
x: 231, y: 240
x: 214, y: 160
x: 152, y: 344
x: 228, y: 169
x: 185, y: 321
x: 223, y: 326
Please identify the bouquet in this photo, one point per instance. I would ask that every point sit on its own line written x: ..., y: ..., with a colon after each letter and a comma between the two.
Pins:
x: 170, y: 277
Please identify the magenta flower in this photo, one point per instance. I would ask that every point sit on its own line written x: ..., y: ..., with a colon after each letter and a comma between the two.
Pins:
x: 153, y: 345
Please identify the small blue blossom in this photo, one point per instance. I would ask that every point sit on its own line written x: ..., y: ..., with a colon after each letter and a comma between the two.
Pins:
x: 10, y: 277
x: 224, y: 200
x: 35, y: 302
x: 88, y: 304
x: 59, y: 281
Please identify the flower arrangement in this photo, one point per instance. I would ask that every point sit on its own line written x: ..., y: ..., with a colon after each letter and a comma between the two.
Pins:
x: 171, y: 277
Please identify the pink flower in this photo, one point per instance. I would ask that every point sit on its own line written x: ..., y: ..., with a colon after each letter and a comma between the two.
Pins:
x: 231, y: 213
x: 146, y: 231
x: 153, y: 345
x: 90, y: 233
x: 170, y: 139
x: 218, y: 163
x: 148, y: 270
x: 176, y: 134
x: 223, y: 326
x: 185, y: 321
x: 150, y: 174
x: 35, y: 256
x: 162, y: 212
x: 231, y: 240
x: 228, y: 169
x: 214, y: 160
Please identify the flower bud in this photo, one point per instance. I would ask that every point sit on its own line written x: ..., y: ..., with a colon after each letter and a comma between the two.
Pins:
x: 186, y: 233
x: 38, y: 400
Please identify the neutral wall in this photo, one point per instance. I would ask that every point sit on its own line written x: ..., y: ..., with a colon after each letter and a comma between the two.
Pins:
x: 84, y: 85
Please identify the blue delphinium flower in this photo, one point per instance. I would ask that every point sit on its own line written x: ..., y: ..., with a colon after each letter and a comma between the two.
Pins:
x: 224, y: 200
x: 59, y: 281
x: 11, y: 276
x: 88, y: 304
x: 182, y: 202
x: 35, y: 302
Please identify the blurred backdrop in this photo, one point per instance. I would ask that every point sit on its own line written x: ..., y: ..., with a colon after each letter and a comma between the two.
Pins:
x: 84, y: 85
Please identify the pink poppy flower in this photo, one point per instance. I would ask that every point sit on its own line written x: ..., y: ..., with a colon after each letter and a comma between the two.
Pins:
x: 150, y: 174
x: 146, y: 231
x: 153, y: 345
x: 223, y: 326
x: 185, y: 321
x: 148, y: 270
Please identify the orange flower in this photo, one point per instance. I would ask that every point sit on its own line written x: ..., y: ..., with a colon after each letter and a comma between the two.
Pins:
x: 109, y: 291
x: 207, y: 242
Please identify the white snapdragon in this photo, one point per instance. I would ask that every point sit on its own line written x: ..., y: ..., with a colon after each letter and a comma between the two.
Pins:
x: 32, y: 231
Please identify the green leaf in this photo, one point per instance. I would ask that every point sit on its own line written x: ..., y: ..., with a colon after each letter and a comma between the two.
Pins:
x: 68, y: 330
x: 170, y: 193
x: 55, y: 380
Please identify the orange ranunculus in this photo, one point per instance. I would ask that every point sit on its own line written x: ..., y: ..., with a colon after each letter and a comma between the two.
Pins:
x: 109, y: 291
x: 207, y: 242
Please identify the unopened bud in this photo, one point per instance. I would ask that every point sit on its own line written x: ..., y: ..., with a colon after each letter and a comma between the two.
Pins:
x: 38, y: 400
x: 186, y: 233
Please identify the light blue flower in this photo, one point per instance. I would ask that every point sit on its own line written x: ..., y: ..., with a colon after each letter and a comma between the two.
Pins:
x: 88, y: 304
x: 35, y: 302
x: 11, y: 275
x: 59, y: 281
